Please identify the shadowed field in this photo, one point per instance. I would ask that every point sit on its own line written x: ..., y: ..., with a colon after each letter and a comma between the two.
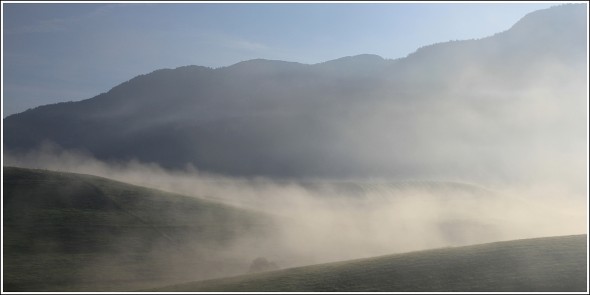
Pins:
x: 555, y: 264
x: 74, y: 232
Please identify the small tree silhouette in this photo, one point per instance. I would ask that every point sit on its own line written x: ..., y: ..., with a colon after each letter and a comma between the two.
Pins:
x: 262, y: 264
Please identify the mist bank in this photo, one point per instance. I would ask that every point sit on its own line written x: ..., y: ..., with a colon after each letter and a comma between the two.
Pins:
x: 473, y: 129
x: 322, y: 220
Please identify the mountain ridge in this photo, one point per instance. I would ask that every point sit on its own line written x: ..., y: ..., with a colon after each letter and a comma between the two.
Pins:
x: 266, y: 106
x: 522, y: 22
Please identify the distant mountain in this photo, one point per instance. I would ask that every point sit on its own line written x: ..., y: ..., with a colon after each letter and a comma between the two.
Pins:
x: 356, y: 116
x: 552, y: 264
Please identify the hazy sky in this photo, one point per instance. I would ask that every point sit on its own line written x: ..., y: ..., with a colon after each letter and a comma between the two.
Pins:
x: 62, y: 52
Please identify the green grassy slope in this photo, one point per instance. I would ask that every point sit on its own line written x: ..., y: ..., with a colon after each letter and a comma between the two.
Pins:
x: 73, y: 232
x: 542, y: 264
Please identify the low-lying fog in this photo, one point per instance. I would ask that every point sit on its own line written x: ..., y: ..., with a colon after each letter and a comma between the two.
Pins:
x: 330, y: 220
x: 481, y: 162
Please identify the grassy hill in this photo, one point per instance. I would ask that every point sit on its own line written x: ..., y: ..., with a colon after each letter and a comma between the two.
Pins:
x: 541, y: 264
x: 73, y: 232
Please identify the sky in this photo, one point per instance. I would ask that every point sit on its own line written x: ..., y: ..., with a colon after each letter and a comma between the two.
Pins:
x: 55, y: 52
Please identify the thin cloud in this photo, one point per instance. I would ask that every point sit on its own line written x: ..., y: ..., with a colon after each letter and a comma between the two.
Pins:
x: 67, y: 23
x: 247, y: 45
x: 232, y: 42
x: 42, y: 26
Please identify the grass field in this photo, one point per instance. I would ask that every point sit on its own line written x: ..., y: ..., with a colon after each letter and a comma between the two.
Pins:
x: 73, y: 232
x: 543, y: 264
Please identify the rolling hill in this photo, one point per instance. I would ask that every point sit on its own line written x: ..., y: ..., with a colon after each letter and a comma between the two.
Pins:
x: 552, y: 264
x: 76, y: 232
x: 73, y: 232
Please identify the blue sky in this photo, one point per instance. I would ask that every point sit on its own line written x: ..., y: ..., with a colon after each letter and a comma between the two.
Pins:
x: 56, y: 52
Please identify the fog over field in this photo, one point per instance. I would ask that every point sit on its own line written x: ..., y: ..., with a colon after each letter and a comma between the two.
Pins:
x: 330, y: 220
x: 458, y: 143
